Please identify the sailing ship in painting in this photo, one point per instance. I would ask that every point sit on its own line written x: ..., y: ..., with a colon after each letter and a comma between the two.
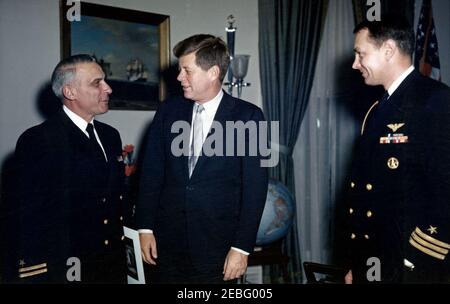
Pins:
x: 136, y: 90
x: 136, y: 70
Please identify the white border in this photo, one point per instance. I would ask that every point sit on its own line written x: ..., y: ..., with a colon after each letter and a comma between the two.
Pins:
x: 134, y: 235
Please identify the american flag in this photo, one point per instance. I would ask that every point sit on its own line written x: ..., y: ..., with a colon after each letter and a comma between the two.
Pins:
x: 427, y: 51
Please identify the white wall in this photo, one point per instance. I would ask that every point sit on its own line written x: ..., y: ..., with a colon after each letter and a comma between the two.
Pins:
x: 30, y: 49
x: 28, y: 52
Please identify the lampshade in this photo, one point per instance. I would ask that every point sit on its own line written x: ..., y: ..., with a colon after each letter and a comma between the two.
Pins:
x: 239, y: 66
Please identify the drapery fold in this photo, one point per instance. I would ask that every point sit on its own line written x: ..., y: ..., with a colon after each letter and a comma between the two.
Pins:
x: 289, y: 39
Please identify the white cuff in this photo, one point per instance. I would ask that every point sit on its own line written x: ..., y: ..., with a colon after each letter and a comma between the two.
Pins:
x: 408, y: 264
x: 145, y: 231
x: 240, y: 250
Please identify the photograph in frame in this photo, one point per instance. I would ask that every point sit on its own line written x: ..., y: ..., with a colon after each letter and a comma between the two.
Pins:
x: 135, y: 266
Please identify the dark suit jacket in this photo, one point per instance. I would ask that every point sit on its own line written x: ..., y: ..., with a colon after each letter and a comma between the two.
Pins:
x: 218, y: 207
x: 400, y: 185
x: 67, y: 204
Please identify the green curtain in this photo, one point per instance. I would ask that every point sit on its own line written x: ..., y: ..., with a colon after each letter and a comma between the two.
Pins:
x: 289, y: 40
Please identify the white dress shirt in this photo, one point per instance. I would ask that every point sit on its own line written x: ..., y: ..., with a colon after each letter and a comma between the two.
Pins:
x: 82, y: 125
x: 207, y: 115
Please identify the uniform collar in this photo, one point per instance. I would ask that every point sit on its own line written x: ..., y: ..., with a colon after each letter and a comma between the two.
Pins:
x: 399, y: 80
x: 76, y: 119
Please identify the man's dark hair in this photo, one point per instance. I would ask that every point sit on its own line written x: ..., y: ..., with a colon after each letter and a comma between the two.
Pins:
x: 65, y: 71
x: 209, y: 51
x: 392, y: 27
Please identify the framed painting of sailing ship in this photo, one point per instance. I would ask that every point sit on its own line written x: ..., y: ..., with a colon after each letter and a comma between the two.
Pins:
x: 133, y: 48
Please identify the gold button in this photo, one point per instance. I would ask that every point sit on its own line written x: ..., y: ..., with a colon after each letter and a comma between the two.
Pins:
x: 350, y: 211
x: 366, y: 236
x: 353, y: 236
x: 106, y: 242
x: 121, y: 218
x: 122, y: 238
x: 369, y: 213
x: 393, y: 163
x: 105, y: 221
x: 369, y: 187
x: 352, y: 184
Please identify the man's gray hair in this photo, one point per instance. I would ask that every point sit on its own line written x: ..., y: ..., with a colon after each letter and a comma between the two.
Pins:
x: 65, y: 72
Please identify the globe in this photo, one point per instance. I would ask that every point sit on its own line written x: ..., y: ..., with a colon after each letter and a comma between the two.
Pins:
x: 277, y: 216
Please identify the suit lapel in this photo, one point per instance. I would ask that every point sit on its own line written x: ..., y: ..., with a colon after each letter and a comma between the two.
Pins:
x: 184, y: 113
x: 112, y: 166
x: 106, y: 143
x: 391, y: 113
x: 398, y: 105
x: 399, y: 98
x: 223, y: 114
x: 73, y: 130
x: 77, y: 138
x: 225, y: 109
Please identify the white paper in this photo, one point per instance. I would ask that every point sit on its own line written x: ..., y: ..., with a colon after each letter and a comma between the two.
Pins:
x: 135, y: 264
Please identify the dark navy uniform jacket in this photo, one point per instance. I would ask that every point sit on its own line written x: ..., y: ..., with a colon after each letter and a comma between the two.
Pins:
x: 67, y: 204
x: 220, y: 206
x: 399, y: 193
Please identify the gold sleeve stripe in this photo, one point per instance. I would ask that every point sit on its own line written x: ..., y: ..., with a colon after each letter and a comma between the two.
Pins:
x: 431, y: 240
x: 365, y: 118
x: 33, y: 273
x: 426, y: 250
x: 427, y: 244
x: 25, y: 269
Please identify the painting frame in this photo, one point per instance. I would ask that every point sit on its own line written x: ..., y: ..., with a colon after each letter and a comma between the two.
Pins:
x: 128, y: 93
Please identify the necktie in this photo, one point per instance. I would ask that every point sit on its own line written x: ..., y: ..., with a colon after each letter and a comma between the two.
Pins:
x: 93, y: 140
x: 384, y: 99
x: 197, y: 137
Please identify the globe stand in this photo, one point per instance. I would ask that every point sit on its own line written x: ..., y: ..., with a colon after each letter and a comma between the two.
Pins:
x: 271, y: 255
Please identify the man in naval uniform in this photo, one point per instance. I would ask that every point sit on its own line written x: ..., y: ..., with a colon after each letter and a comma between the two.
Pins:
x: 65, y: 223
x: 398, y: 209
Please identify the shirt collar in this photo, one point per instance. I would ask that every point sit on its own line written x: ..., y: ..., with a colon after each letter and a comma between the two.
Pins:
x: 212, y: 105
x: 399, y: 80
x: 77, y: 120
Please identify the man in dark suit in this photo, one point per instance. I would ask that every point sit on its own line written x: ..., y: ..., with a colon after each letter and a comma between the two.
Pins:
x: 199, y: 213
x: 66, y: 216
x: 399, y: 211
